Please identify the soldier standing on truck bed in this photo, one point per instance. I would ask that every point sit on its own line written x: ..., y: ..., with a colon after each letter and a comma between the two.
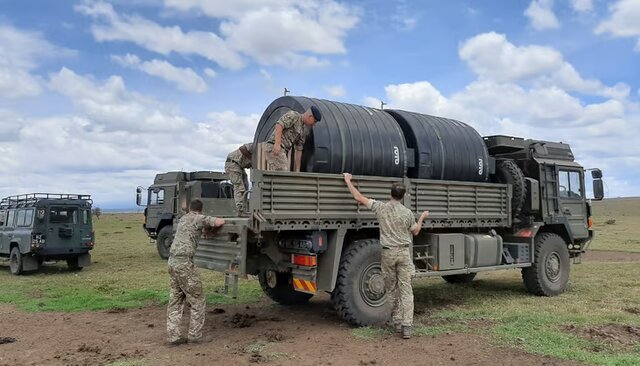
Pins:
x: 185, y: 281
x: 289, y: 132
x: 237, y: 161
x: 397, y: 223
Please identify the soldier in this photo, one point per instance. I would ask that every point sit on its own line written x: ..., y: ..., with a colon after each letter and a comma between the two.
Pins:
x: 290, y: 132
x: 185, y: 281
x: 397, y: 223
x: 237, y: 161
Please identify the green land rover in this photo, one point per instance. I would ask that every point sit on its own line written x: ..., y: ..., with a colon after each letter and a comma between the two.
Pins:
x: 39, y: 227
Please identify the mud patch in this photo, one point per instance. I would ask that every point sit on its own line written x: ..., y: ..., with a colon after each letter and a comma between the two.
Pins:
x: 89, y: 349
x: 275, y: 336
x: 241, y: 320
x: 116, y: 311
x: 7, y: 340
x: 614, y: 334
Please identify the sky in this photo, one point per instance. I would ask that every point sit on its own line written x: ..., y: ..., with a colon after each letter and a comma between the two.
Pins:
x: 98, y: 96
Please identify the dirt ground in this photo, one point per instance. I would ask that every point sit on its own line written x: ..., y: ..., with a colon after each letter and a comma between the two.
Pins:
x: 261, y: 333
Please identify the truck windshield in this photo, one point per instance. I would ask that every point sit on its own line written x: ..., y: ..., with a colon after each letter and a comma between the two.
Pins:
x: 63, y: 215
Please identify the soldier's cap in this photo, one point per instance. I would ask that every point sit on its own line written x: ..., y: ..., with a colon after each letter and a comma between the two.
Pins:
x: 316, y: 113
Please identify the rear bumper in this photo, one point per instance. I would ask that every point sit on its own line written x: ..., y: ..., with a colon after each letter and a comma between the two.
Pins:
x: 61, y: 253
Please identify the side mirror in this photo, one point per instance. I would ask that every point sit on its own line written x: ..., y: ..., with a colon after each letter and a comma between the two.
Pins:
x: 598, y: 189
x: 139, y: 196
x: 596, y: 174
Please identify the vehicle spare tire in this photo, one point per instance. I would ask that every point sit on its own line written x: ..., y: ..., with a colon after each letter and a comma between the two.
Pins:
x: 508, y: 172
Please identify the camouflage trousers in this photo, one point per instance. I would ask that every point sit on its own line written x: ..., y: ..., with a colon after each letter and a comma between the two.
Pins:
x: 278, y: 162
x: 238, y: 178
x: 186, y: 287
x: 397, y: 270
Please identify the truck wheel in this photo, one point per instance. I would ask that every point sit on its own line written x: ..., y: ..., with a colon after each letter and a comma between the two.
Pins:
x: 73, y: 265
x: 549, y: 275
x: 278, y: 287
x: 460, y: 278
x: 359, y: 296
x: 508, y: 172
x: 163, y: 241
x: 15, y: 261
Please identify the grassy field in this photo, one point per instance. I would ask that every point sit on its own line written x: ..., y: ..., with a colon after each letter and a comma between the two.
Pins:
x: 128, y: 273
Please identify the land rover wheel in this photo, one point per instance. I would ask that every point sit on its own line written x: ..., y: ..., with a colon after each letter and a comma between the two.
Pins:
x: 549, y: 275
x: 278, y: 287
x: 73, y: 264
x: 359, y: 296
x: 163, y: 241
x: 15, y: 261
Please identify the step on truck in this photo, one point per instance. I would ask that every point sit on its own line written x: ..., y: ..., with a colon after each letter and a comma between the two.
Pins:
x: 40, y: 227
x: 495, y: 203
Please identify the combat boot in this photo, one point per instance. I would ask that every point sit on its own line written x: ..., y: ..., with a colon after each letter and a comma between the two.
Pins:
x: 406, y: 331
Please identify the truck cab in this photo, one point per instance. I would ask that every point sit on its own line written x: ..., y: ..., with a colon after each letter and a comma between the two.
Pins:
x: 39, y: 227
x: 169, y: 196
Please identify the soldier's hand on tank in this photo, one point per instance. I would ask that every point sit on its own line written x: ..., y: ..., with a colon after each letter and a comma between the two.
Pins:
x: 219, y: 222
x: 424, y: 215
x: 347, y: 177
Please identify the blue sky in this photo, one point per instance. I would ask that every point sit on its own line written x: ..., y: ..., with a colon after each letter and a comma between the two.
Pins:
x: 97, y: 97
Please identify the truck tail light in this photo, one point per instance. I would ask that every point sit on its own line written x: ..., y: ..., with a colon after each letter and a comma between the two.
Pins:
x: 304, y: 260
x: 525, y: 233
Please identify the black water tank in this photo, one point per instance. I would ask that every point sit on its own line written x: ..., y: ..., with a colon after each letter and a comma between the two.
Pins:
x: 444, y: 148
x: 350, y: 138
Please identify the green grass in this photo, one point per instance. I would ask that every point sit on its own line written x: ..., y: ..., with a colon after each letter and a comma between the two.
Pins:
x: 126, y: 272
x: 624, y: 235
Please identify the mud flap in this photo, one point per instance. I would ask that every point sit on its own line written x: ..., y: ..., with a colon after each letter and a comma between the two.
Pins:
x: 84, y: 260
x: 29, y: 263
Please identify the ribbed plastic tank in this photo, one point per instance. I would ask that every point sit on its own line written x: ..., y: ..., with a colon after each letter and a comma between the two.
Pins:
x: 444, y: 148
x: 350, y: 138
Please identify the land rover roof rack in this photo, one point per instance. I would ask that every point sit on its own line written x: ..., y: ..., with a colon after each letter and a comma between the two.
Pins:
x: 30, y: 199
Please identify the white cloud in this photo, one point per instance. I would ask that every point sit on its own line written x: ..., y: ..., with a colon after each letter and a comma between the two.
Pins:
x: 492, y: 57
x: 336, y: 91
x: 404, y: 19
x: 313, y: 29
x: 22, y: 52
x: 210, y: 72
x: 112, y: 106
x: 185, y: 78
x: 541, y: 15
x: 110, y: 26
x: 582, y: 6
x: 624, y: 21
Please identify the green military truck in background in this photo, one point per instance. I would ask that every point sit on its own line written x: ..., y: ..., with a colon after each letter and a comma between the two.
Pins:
x: 39, y: 227
x: 168, y: 189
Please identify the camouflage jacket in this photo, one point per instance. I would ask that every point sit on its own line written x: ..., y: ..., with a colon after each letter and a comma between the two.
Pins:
x: 237, y: 157
x: 396, y: 223
x: 294, y: 131
x: 189, y: 231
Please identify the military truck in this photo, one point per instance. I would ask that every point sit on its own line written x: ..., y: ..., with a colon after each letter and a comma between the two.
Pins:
x: 168, y: 189
x: 39, y: 227
x: 496, y: 203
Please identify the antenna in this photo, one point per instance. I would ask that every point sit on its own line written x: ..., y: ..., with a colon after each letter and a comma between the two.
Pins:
x: 286, y: 91
x: 382, y: 104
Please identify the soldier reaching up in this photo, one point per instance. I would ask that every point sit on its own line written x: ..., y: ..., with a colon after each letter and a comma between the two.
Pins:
x: 237, y: 161
x: 185, y: 281
x: 397, y: 223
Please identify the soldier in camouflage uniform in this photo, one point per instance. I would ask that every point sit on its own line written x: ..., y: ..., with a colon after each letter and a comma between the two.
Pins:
x: 186, y: 285
x: 237, y: 161
x: 290, y: 131
x: 396, y: 223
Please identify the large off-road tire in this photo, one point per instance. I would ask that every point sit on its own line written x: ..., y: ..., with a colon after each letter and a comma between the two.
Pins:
x: 163, y: 241
x: 508, y: 172
x: 15, y: 261
x: 359, y: 296
x: 549, y: 275
x: 460, y: 278
x: 278, y: 287
x: 72, y: 264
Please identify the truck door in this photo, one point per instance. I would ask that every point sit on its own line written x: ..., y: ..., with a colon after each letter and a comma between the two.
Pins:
x: 572, y: 200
